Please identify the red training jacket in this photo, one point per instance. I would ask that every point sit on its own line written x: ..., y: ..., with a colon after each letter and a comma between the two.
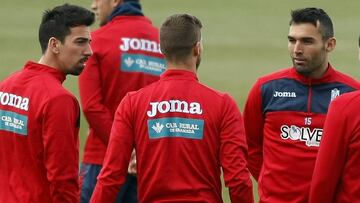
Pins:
x: 183, y: 132
x: 39, y: 143
x: 336, y: 175
x: 284, y: 117
x: 126, y: 56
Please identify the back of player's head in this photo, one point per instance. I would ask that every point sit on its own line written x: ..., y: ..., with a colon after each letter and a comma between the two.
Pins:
x: 58, y: 21
x: 178, y: 35
x: 316, y: 16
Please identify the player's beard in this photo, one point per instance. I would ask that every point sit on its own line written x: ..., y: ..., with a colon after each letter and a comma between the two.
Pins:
x: 78, y: 68
x: 313, y: 64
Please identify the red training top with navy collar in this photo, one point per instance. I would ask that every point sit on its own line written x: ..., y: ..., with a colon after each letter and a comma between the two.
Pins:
x: 336, y: 174
x: 284, y: 117
x: 183, y: 132
x: 39, y: 143
x: 126, y: 57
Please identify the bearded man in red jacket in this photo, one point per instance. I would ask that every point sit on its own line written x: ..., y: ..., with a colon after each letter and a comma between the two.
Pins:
x: 39, y: 126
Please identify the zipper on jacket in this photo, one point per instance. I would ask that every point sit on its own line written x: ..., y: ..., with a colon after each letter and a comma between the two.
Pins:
x: 309, y: 98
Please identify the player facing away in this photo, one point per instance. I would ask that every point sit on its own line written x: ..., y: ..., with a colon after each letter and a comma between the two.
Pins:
x: 126, y: 57
x: 182, y: 138
x: 336, y: 174
x: 285, y: 111
x: 39, y: 142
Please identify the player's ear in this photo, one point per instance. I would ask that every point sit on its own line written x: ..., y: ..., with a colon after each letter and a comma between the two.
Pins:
x: 197, y: 49
x: 53, y: 45
x: 330, y: 44
x: 115, y: 3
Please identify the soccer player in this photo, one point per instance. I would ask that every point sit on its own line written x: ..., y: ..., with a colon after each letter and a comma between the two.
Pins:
x: 336, y: 174
x: 39, y: 143
x: 285, y: 111
x: 126, y: 58
x: 183, y: 131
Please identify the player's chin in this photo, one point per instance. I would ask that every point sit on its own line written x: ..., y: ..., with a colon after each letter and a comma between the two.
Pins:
x: 78, y: 70
x: 301, y: 68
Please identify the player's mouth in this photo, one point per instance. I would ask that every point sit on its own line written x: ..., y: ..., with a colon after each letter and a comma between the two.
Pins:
x: 83, y: 61
x: 299, y: 61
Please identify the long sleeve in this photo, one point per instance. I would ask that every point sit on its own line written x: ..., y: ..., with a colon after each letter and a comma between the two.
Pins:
x: 331, y: 155
x: 61, y: 147
x: 117, y: 157
x: 233, y: 156
x: 254, y: 125
x: 97, y: 114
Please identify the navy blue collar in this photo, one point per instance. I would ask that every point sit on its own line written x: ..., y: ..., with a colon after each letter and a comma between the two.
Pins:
x: 128, y: 8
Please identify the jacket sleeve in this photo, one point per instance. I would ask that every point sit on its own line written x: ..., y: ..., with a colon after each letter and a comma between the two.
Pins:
x: 254, y: 127
x: 233, y: 154
x: 117, y: 157
x: 61, y: 147
x: 97, y: 114
x: 332, y: 154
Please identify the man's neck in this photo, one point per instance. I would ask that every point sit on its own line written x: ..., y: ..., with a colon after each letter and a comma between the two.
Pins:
x: 182, y: 66
x: 45, y: 61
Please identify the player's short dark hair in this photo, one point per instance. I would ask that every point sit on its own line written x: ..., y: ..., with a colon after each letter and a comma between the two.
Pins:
x: 359, y: 41
x: 314, y: 16
x: 58, y: 21
x: 178, y: 35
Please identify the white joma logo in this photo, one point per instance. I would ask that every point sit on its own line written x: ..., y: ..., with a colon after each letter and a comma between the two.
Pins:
x: 284, y: 94
x: 8, y: 99
x: 174, y: 106
x: 139, y: 44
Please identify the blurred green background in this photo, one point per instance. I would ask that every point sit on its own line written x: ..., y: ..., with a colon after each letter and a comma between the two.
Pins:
x: 242, y: 39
